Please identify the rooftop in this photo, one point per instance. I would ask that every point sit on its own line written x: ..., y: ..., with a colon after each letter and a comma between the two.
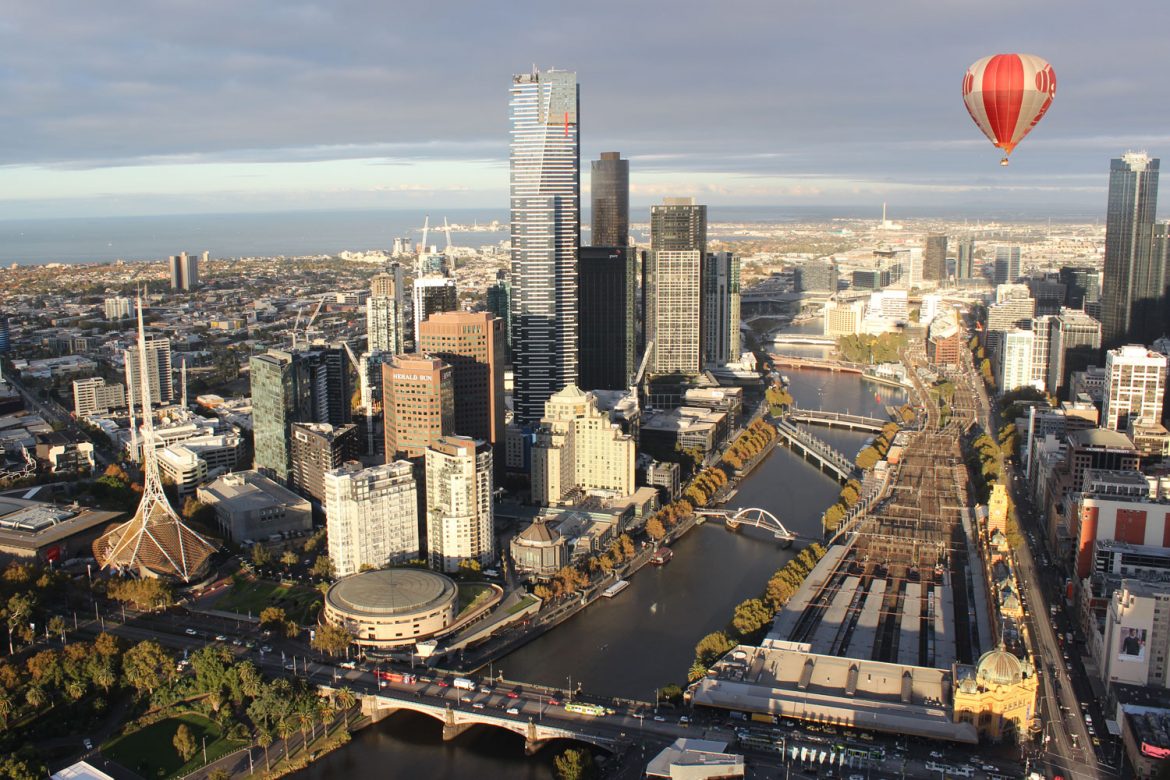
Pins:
x: 390, y: 592
x: 1100, y: 437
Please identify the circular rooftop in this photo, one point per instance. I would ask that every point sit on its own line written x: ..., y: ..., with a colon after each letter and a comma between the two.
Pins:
x: 999, y: 667
x: 391, y: 592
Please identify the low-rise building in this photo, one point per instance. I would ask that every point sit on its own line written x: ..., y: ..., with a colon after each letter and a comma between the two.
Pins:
x: 696, y: 759
x: 37, y: 530
x: 183, y: 467
x: 539, y: 550
x: 93, y: 396
x: 250, y: 506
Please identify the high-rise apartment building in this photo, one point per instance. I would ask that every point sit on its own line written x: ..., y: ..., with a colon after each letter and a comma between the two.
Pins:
x: 371, y: 515
x: 965, y: 260
x: 472, y: 344
x: 545, y: 186
x: 1007, y: 264
x: 386, y: 312
x: 1133, y: 283
x: 94, y: 396
x: 315, y: 449
x: 1013, y: 311
x: 578, y: 450
x: 1135, y: 386
x: 674, y: 311
x: 1073, y: 340
x: 117, y: 308
x: 842, y: 319
x: 1015, y: 360
x: 607, y: 288
x: 459, y: 519
x: 433, y: 294
x: 185, y: 271
x: 610, y: 201
x: 418, y: 404
x: 158, y: 371
x: 721, y: 305
x: 934, y: 259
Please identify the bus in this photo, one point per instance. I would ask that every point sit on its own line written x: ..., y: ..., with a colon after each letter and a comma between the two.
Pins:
x: 587, y: 709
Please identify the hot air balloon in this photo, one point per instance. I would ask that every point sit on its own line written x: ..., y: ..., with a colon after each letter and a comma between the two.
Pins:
x: 1006, y: 95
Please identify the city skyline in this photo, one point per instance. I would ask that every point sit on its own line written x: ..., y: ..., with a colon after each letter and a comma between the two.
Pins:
x: 253, y: 123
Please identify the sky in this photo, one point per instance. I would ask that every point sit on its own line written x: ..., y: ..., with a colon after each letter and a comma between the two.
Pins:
x: 203, y: 106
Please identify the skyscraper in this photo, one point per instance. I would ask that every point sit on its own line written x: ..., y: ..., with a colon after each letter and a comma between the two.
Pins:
x: 1081, y: 285
x: 546, y: 232
x: 679, y: 224
x: 185, y: 271
x: 158, y: 371
x: 473, y: 345
x: 1007, y: 264
x: 1132, y: 283
x: 460, y: 522
x: 372, y: 516
x: 316, y: 449
x: 418, y: 403
x: 386, y: 313
x: 499, y: 303
x: 610, y: 200
x: 606, y: 286
x: 1135, y: 386
x: 934, y: 260
x: 432, y: 294
x: 721, y: 305
x: 1074, y: 338
x: 965, y: 262
x: 675, y: 311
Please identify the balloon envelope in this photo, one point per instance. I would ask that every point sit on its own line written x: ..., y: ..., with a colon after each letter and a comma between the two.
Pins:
x: 1007, y: 94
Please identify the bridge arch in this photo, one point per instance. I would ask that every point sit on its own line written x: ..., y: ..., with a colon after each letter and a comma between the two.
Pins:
x: 754, y: 517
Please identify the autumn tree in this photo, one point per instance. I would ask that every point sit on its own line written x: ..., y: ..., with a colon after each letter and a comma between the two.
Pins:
x: 184, y: 742
x: 146, y: 666
x: 331, y: 639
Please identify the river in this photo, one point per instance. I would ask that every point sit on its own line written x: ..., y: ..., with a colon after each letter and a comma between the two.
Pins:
x: 645, y: 637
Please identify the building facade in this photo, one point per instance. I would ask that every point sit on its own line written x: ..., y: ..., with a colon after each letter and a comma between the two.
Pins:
x: 1073, y: 340
x: 1136, y: 647
x: 433, y: 294
x: 94, y: 396
x: 185, y: 271
x: 607, y: 279
x: 158, y: 371
x: 1007, y: 264
x: 251, y: 507
x: 418, y: 404
x: 721, y: 306
x: 674, y: 311
x: 459, y: 514
x: 472, y: 344
x: 610, y: 201
x: 1132, y: 282
x: 934, y: 259
x: 372, y: 516
x: 965, y: 260
x: 545, y: 161
x: 316, y: 449
x: 1135, y: 386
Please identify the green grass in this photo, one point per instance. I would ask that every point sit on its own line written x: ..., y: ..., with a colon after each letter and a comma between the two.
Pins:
x: 523, y: 603
x: 151, y: 751
x: 472, y: 594
x: 299, y: 603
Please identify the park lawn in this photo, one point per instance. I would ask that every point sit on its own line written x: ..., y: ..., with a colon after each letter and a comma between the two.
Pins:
x: 472, y: 594
x: 523, y: 603
x: 151, y: 751
x: 299, y: 603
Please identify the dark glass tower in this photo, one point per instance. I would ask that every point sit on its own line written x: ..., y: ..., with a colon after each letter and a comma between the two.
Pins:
x: 965, y: 261
x: 934, y: 259
x: 610, y: 185
x: 606, y: 280
x: 678, y: 225
x: 1132, y: 282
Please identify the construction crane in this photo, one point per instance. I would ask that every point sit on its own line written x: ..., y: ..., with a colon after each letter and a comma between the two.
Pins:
x: 367, y: 396
x: 447, y: 230
x: 422, y: 250
x: 297, y: 325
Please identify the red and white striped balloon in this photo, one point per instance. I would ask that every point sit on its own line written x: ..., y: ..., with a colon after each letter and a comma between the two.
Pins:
x: 1007, y: 94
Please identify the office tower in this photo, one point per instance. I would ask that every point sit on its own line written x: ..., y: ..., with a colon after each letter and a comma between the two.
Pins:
x: 185, y: 271
x: 472, y: 344
x: 1135, y: 386
x: 386, y: 312
x: 305, y: 386
x: 1007, y: 264
x: 674, y: 311
x: 371, y: 515
x: 1013, y: 311
x: 432, y: 294
x: 822, y: 275
x: 606, y: 289
x: 317, y: 448
x: 459, y: 516
x: 117, y: 308
x: 842, y: 319
x: 157, y: 351
x: 1015, y: 360
x: 1041, y: 350
x: 721, y: 304
x: 1081, y: 286
x: 5, y: 336
x: 578, y: 450
x: 1132, y: 283
x: 432, y: 263
x: 965, y: 262
x: 94, y: 396
x: 545, y: 185
x: 418, y: 404
x: 1073, y: 341
x: 934, y: 259
x: 678, y: 225
x: 499, y: 303
x: 610, y: 200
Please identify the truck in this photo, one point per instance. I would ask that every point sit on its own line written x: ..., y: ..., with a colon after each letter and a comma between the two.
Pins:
x: 385, y: 676
x: 463, y: 684
x: 762, y: 717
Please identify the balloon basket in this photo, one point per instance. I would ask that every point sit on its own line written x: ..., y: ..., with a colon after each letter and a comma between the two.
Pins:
x: 1004, y: 162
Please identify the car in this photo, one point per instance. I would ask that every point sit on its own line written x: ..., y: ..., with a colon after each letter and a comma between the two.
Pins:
x: 989, y: 768
x: 553, y: 701
x: 290, y: 667
x: 478, y: 705
x: 191, y: 632
x: 936, y: 755
x: 513, y: 695
x: 88, y: 743
x: 466, y: 700
x: 237, y: 641
x: 348, y: 664
x: 660, y: 719
x: 220, y: 638
x: 442, y: 683
x: 485, y: 689
x: 265, y: 649
x: 856, y: 777
x: 513, y: 710
x: 684, y: 720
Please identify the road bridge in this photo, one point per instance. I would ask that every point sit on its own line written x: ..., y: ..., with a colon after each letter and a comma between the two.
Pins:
x: 794, y: 339
x: 752, y: 517
x: 815, y: 450
x: 837, y: 420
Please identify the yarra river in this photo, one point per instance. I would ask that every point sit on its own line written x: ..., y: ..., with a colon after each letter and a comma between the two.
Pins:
x: 645, y: 637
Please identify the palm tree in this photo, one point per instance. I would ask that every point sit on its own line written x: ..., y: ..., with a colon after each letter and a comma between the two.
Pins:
x: 7, y: 705
x: 264, y: 739
x: 284, y: 729
x: 36, y: 697
x: 306, y: 715
x: 345, y: 701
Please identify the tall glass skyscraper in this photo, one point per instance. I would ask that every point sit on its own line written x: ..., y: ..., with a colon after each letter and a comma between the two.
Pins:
x: 1132, y: 281
x: 546, y: 231
x: 610, y: 201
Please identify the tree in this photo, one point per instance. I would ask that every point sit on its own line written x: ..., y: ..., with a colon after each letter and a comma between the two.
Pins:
x: 322, y: 567
x: 146, y: 666
x: 542, y: 592
x: 272, y: 617
x: 220, y: 774
x: 712, y: 647
x: 289, y: 559
x: 331, y: 639
x: 184, y: 742
x: 654, y: 529
x: 750, y: 616
x: 261, y: 556
x: 106, y: 645
x: 469, y: 566
x: 143, y: 592
x: 574, y: 764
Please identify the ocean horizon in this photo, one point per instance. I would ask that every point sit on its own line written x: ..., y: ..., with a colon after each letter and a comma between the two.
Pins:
x: 74, y: 240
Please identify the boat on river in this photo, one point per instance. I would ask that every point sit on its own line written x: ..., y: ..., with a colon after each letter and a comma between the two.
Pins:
x: 615, y: 589
x: 662, y: 556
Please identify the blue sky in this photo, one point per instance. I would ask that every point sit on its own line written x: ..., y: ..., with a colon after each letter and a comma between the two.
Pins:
x: 181, y: 106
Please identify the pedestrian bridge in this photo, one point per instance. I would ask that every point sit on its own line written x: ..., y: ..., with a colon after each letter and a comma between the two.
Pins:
x: 837, y: 420
x: 815, y: 450
x: 752, y: 518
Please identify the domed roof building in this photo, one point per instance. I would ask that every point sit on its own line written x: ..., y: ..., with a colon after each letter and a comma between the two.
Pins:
x: 997, y: 695
x: 539, y: 550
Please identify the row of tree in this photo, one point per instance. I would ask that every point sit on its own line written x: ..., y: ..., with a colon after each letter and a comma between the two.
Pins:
x: 705, y: 486
x: 778, y: 398
x: 573, y: 578
x: 750, y: 443
x: 982, y: 363
x: 862, y: 348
